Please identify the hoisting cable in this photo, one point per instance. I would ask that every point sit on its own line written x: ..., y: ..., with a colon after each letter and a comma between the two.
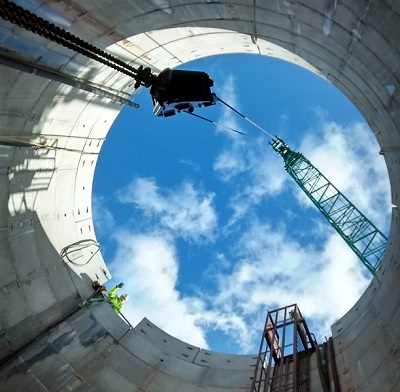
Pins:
x: 243, y: 116
x: 217, y: 124
x: 31, y: 22
x: 224, y: 126
x: 230, y: 128
x: 258, y: 140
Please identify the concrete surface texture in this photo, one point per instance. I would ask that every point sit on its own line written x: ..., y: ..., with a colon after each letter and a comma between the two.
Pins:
x: 49, y: 343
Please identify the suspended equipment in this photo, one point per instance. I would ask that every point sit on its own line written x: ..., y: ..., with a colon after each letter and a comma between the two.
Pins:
x: 177, y: 90
x: 171, y: 91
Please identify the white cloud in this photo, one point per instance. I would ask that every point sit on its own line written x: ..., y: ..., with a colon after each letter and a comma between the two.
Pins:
x: 193, y: 165
x: 232, y: 160
x: 185, y: 211
x: 102, y: 216
x: 261, y: 172
x: 148, y: 266
x: 266, y: 177
x: 228, y: 164
x: 274, y: 270
x: 228, y: 118
x: 348, y: 156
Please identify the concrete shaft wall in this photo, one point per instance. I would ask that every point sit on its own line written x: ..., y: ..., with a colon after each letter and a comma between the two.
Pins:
x: 46, y: 341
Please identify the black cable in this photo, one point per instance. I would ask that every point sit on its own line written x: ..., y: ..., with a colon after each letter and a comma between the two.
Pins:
x: 224, y: 126
x: 215, y: 123
x: 79, y: 245
x: 37, y: 25
x: 243, y: 116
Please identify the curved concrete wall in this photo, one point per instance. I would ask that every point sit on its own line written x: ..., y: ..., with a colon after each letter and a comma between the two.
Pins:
x: 47, y: 342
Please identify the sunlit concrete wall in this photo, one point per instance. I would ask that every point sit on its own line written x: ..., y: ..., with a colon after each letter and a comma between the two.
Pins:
x: 46, y: 341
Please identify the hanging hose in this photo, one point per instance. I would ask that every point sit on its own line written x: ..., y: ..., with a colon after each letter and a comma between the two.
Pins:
x: 77, y: 246
x: 17, y: 142
x: 322, y: 372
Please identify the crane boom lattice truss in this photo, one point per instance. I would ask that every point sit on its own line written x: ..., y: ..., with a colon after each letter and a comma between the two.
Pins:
x: 359, y: 232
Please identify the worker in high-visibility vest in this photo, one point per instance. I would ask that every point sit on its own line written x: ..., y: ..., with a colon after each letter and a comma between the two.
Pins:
x: 117, y: 302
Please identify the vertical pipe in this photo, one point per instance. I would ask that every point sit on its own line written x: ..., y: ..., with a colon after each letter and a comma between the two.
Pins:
x: 272, y: 346
x: 333, y: 365
x: 253, y: 385
x: 295, y: 349
x: 281, y: 365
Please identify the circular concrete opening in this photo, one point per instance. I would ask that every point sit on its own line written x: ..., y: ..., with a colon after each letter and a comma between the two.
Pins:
x: 209, y: 217
x: 46, y: 197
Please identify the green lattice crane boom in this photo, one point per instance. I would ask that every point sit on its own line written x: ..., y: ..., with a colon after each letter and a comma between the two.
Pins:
x: 359, y: 232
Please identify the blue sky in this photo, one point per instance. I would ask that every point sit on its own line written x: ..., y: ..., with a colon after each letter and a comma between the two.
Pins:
x: 206, y: 228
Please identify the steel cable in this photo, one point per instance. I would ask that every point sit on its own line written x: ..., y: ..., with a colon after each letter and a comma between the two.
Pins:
x: 230, y: 128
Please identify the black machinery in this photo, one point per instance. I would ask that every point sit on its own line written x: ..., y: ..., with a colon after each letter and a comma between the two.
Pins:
x: 174, y: 91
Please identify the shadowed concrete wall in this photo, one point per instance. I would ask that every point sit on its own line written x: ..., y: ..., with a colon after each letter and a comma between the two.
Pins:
x: 46, y: 341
